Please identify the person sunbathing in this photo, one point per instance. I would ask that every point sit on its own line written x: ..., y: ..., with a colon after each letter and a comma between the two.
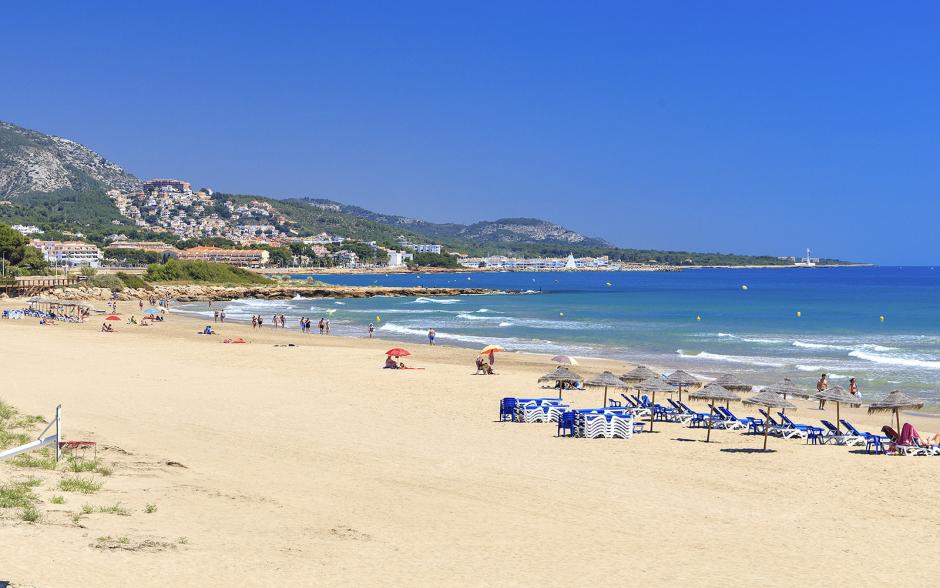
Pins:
x: 106, y: 328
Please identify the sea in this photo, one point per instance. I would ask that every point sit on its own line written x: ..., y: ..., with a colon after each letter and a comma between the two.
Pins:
x: 880, y: 325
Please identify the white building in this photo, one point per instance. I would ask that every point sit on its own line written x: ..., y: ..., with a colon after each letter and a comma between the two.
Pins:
x: 427, y: 248
x: 398, y: 258
x: 26, y: 229
x: 69, y: 253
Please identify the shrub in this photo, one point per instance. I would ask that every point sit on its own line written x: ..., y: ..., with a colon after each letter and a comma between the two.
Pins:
x: 109, y: 281
x: 176, y: 270
x: 30, y: 514
x: 133, y: 281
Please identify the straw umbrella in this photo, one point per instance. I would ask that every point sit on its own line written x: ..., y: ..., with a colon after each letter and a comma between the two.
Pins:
x: 565, y: 360
x: 732, y: 383
x: 713, y: 392
x: 637, y: 375
x: 653, y: 385
x: 561, y: 375
x: 606, y: 380
x: 838, y: 395
x: 786, y: 387
x: 682, y: 378
x: 894, y: 402
x: 768, y: 399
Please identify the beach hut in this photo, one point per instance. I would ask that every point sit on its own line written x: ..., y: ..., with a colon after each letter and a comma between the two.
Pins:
x: 768, y: 399
x: 838, y: 395
x: 637, y: 375
x: 715, y: 393
x: 894, y: 402
x: 561, y: 376
x: 682, y: 379
x: 606, y: 380
x: 652, y: 386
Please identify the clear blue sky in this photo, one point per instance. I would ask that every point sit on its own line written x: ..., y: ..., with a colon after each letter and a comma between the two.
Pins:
x: 748, y: 127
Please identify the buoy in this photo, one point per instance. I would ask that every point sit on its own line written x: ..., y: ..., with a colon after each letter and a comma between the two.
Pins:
x: 698, y: 318
x: 799, y: 314
x: 744, y: 286
x: 561, y: 314
x: 882, y: 318
x: 377, y: 318
x: 609, y: 284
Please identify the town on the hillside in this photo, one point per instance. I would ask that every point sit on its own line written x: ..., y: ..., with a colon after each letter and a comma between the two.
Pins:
x: 171, y: 207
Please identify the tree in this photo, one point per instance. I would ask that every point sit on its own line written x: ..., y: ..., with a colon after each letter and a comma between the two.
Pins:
x: 12, y: 245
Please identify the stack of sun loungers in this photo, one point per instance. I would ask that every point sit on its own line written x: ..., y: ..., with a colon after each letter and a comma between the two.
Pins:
x: 531, y: 410
x: 614, y: 424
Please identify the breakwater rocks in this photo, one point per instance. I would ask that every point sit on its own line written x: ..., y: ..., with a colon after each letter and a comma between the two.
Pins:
x: 195, y: 292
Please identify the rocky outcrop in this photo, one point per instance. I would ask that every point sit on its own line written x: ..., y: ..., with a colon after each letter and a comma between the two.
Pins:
x: 31, y: 161
x: 194, y: 292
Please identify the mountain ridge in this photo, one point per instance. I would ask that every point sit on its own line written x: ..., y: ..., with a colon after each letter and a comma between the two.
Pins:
x: 32, y: 162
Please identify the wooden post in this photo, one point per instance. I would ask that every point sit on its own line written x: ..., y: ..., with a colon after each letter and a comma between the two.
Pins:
x: 766, y: 424
x: 711, y: 411
x: 653, y: 411
x: 838, y: 424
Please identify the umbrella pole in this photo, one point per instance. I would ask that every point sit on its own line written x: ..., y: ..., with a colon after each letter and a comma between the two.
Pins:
x: 838, y: 424
x: 653, y: 411
x: 711, y: 411
x: 605, y: 396
x: 765, y: 430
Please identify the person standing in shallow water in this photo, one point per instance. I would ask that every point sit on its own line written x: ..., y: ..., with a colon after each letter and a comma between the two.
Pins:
x: 371, y: 329
x: 821, y: 386
x: 431, y: 334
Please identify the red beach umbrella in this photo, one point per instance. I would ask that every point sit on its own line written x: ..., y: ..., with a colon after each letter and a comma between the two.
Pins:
x: 113, y: 317
x: 398, y: 352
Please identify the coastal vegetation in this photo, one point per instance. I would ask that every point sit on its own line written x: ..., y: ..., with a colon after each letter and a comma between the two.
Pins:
x: 175, y: 270
x: 17, y: 256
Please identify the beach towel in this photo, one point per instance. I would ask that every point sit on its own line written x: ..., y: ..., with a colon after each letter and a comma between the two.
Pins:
x: 909, y: 435
x: 238, y: 340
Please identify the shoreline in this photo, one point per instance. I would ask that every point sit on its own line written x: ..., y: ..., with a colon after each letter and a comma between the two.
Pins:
x: 280, y: 464
x: 461, y: 270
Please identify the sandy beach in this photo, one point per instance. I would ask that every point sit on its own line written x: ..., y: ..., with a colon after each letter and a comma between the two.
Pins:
x: 309, y: 465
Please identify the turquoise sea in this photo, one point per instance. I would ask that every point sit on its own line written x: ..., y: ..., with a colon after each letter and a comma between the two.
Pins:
x: 787, y: 322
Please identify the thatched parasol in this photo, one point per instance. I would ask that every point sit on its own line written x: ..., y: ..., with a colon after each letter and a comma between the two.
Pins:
x: 768, y: 399
x: 786, y: 387
x: 713, y: 392
x: 680, y: 378
x: 565, y: 360
x: 606, y: 380
x: 653, y: 385
x: 733, y: 383
x: 637, y: 375
x: 838, y: 395
x: 561, y: 375
x: 894, y: 402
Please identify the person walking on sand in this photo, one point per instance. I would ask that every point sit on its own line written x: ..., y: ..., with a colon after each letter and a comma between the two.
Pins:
x: 431, y: 334
x: 371, y: 329
x: 327, y: 326
x: 215, y: 316
x: 222, y: 316
x: 260, y: 321
x: 821, y: 386
x: 322, y: 325
x: 254, y: 322
x: 140, y: 303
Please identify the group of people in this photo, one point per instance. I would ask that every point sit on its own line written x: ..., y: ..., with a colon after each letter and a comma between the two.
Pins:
x: 257, y: 321
x: 220, y: 316
x: 823, y: 384
x: 306, y: 325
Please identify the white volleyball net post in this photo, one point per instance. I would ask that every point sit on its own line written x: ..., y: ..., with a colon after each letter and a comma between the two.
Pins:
x: 41, y: 441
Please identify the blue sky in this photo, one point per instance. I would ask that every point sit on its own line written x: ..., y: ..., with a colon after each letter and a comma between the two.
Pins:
x: 748, y: 127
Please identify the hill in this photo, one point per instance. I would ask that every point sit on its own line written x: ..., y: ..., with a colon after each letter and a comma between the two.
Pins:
x: 60, y: 185
x: 31, y: 161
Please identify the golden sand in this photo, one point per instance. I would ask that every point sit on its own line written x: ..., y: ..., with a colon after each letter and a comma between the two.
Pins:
x: 310, y: 465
